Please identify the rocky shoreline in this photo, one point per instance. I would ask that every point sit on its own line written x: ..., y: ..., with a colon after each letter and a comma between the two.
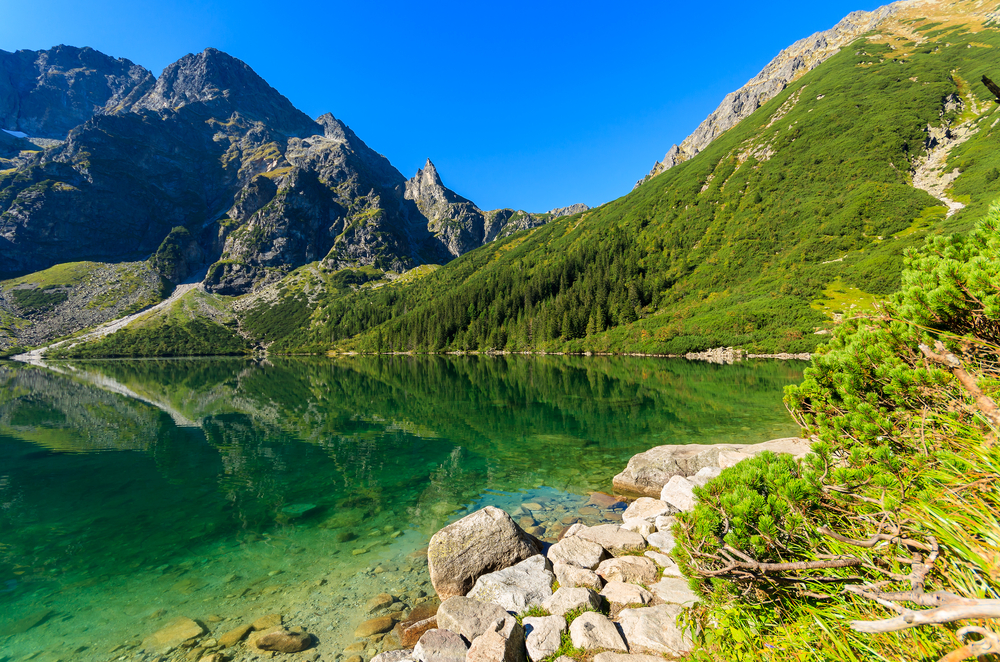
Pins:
x: 611, y: 590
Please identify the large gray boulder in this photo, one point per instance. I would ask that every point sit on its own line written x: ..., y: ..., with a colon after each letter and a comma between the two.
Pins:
x: 503, y: 641
x: 612, y: 538
x: 630, y: 569
x: 543, y: 635
x: 478, y: 544
x: 440, y: 646
x: 648, y: 472
x: 655, y: 629
x: 574, y: 550
x: 591, y: 630
x: 518, y: 587
x: 468, y: 617
x: 567, y: 599
x: 574, y: 576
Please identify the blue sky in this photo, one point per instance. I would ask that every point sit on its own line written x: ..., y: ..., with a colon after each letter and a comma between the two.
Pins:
x: 530, y: 105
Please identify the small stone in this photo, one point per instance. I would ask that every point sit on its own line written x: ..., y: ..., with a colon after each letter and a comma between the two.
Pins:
x: 705, y: 475
x: 675, y: 590
x: 640, y: 526
x: 655, y: 629
x: 440, y: 646
x: 394, y: 656
x: 234, y: 636
x: 662, y: 540
x: 408, y: 633
x: 543, y: 635
x: 174, y: 633
x: 679, y: 493
x: 376, y: 625
x: 630, y: 569
x: 620, y: 593
x: 355, y: 658
x: 380, y: 601
x: 602, y: 500
x: 570, y: 576
x: 355, y: 647
x: 567, y: 599
x: 284, y: 641
x: 267, y: 622
x: 526, y: 521
x: 592, y: 631
x: 531, y: 506
x: 645, y: 508
x: 665, y: 523
x: 577, y: 551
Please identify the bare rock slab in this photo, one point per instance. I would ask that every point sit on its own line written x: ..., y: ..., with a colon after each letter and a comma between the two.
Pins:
x: 518, y: 587
x: 574, y: 550
x: 655, y: 629
x: 568, y: 599
x: 543, y: 635
x: 173, y: 634
x: 503, y: 641
x: 478, y: 544
x: 571, y: 576
x: 592, y: 631
x: 620, y: 593
x: 648, y: 472
x: 646, y: 508
x: 629, y: 569
x: 468, y: 617
x: 675, y: 590
x: 440, y: 646
x: 612, y: 538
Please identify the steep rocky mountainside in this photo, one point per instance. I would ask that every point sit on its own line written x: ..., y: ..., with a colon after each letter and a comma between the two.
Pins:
x: 211, y: 147
x: 798, y: 59
x: 45, y: 94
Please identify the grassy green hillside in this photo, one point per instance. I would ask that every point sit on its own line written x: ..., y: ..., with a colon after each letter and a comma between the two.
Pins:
x: 799, y: 213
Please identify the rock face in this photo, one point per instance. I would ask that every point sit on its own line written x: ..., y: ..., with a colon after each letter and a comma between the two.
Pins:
x: 789, y: 65
x: 458, y: 224
x: 483, y: 542
x: 648, y: 472
x: 211, y: 147
x: 578, y: 208
x: 518, y: 587
x: 46, y: 93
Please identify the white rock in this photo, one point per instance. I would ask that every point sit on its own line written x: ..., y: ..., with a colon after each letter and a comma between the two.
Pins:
x: 670, y: 568
x: 503, y: 641
x: 518, y: 587
x: 574, y: 550
x: 675, y: 590
x: 468, y: 617
x: 572, y: 531
x: 574, y: 576
x: 543, y: 635
x: 679, y: 493
x: 665, y: 523
x: 440, y: 646
x: 620, y: 593
x: 567, y: 599
x: 613, y: 538
x: 731, y: 458
x: 663, y: 541
x: 631, y: 569
x: 643, y: 527
x: 704, y: 475
x: 646, y: 508
x: 655, y: 628
x: 591, y: 630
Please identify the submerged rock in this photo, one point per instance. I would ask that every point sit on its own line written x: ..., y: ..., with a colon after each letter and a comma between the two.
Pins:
x: 174, y: 633
x: 284, y: 641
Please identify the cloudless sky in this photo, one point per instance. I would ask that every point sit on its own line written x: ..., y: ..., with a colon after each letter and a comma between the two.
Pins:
x: 531, y: 105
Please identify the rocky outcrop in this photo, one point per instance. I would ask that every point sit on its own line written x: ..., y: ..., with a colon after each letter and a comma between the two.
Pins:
x: 47, y: 93
x: 578, y: 208
x: 647, y: 473
x: 789, y: 65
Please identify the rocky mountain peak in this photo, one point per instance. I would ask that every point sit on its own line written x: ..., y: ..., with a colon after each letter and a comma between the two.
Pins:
x: 223, y: 85
x: 46, y: 93
x: 569, y: 211
x: 427, y: 190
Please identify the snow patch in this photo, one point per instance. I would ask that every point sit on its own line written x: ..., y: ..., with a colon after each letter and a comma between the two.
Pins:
x: 16, y: 134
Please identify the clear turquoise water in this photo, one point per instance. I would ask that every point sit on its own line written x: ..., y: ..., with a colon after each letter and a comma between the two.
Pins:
x: 133, y: 492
